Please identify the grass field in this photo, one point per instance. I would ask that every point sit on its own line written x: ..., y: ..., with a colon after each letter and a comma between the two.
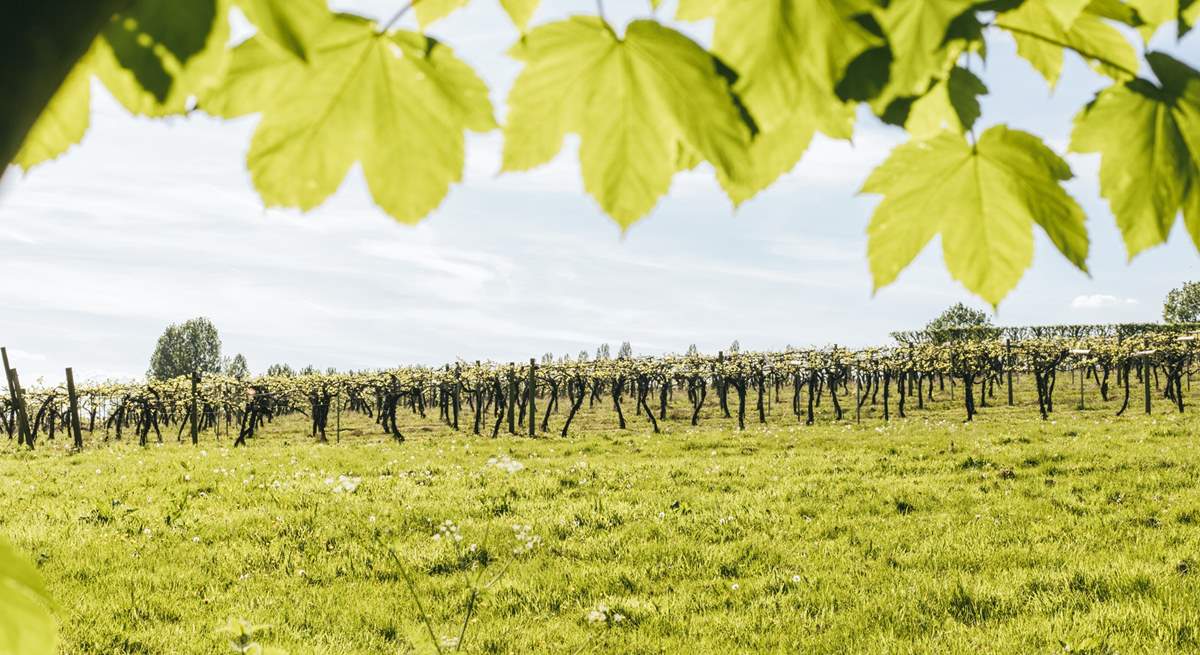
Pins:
x: 1008, y: 535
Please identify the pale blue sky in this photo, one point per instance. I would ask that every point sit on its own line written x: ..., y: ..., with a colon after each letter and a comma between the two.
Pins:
x: 152, y: 222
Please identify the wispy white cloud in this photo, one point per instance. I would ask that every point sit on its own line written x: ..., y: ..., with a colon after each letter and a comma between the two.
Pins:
x: 1101, y: 301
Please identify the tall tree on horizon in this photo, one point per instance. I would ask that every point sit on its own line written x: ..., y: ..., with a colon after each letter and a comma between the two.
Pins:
x: 193, y: 346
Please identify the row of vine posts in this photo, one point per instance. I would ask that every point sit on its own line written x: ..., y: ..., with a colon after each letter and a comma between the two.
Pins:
x: 511, y: 394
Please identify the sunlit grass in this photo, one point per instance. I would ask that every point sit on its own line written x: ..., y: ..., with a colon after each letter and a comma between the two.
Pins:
x: 924, y: 535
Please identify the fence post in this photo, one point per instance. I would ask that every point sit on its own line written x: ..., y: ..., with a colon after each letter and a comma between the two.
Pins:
x: 1146, y: 382
x: 22, y: 415
x: 76, y: 431
x: 857, y: 397
x: 338, y: 426
x: 1008, y: 365
x: 194, y: 414
x: 22, y: 429
x: 1081, y: 379
x: 512, y: 398
x: 532, y: 395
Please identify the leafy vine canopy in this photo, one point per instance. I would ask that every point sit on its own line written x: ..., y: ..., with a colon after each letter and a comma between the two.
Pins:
x: 647, y: 101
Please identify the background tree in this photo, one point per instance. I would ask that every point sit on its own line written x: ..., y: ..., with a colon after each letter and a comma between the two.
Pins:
x: 236, y: 367
x: 959, y: 316
x: 583, y: 356
x: 281, y: 370
x: 603, y: 352
x: 735, y: 347
x: 693, y: 350
x: 626, y: 351
x: 190, y: 347
x: 1183, y: 304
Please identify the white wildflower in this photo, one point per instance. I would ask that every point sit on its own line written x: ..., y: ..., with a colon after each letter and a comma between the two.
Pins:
x: 505, y: 463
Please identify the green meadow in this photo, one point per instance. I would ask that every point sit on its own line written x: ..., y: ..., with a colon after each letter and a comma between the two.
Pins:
x: 1005, y: 535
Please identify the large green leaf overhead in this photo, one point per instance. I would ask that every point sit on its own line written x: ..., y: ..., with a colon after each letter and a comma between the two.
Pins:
x: 520, y: 11
x: 636, y: 103
x: 150, y: 36
x: 1043, y: 29
x: 772, y: 154
x: 429, y: 11
x: 191, y: 79
x: 26, y: 625
x: 290, y: 24
x: 952, y: 104
x: 188, y: 69
x: 64, y: 121
x: 1148, y: 137
x: 397, y: 103
x: 917, y: 36
x: 983, y: 200
x: 788, y: 55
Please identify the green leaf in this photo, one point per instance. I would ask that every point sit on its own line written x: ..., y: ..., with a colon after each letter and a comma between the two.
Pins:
x: 431, y: 11
x: 397, y: 103
x: 290, y: 24
x: 191, y: 78
x: 916, y: 32
x: 1148, y: 138
x: 772, y: 154
x: 952, y: 104
x: 1189, y: 14
x: 982, y: 200
x: 1115, y: 10
x: 1041, y: 39
x: 635, y: 102
x: 257, y: 76
x: 26, y: 625
x: 64, y: 121
x: 1154, y: 13
x: 149, y: 33
x: 788, y: 54
x: 520, y: 12
x: 1066, y: 11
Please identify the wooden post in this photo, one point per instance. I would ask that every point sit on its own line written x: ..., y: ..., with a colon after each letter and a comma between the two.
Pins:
x: 22, y: 415
x: 1081, y: 379
x: 1008, y: 365
x: 512, y: 399
x: 194, y: 416
x: 857, y: 398
x: 720, y: 381
x: 532, y: 394
x: 76, y: 431
x: 12, y: 394
x: 338, y: 426
x: 1146, y: 382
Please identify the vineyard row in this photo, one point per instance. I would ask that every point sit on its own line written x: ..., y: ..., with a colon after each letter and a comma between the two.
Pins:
x: 487, y: 397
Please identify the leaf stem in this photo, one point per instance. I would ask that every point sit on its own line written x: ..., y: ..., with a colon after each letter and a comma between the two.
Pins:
x: 398, y: 15
x: 412, y: 590
x: 462, y: 633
